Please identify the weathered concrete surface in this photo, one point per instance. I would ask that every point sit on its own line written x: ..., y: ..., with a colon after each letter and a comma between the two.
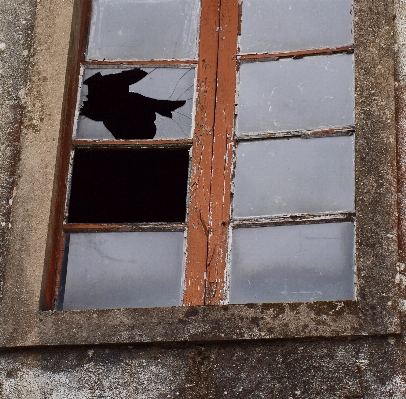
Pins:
x: 36, y: 167
x: 16, y: 27
x: 331, y: 369
x: 400, y: 23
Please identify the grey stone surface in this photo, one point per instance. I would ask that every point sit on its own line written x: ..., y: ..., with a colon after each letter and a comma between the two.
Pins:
x: 369, y: 368
x: 16, y: 31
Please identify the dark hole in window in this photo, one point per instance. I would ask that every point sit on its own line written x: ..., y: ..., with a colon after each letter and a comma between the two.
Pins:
x: 129, y: 186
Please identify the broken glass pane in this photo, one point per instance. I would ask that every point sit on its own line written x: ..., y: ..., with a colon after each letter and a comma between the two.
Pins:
x: 147, y: 103
x: 123, y: 270
x: 144, y: 29
x: 299, y: 263
x: 294, y: 175
x: 289, y: 25
x: 309, y: 93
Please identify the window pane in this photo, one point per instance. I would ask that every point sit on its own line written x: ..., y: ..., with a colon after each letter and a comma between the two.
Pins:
x: 123, y: 270
x: 289, y: 94
x: 289, y: 25
x: 294, y: 176
x: 144, y: 29
x: 292, y: 263
x: 147, y: 103
x: 129, y: 186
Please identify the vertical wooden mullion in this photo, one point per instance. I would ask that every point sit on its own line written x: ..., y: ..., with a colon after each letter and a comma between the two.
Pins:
x: 198, y: 228
x: 220, y: 194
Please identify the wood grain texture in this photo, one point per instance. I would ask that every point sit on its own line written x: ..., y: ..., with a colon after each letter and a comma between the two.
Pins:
x: 199, y: 189
x: 222, y: 152
x: 295, y: 54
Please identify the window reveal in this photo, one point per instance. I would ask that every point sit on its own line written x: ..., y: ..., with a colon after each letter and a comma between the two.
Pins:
x: 212, y: 148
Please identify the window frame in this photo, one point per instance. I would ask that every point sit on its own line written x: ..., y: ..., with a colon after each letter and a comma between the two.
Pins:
x: 210, y: 223
x: 376, y: 309
x: 213, y: 144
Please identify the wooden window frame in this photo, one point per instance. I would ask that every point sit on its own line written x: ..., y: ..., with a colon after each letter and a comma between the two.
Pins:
x: 213, y: 145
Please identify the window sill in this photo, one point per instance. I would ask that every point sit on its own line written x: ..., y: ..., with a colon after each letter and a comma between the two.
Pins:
x: 204, y: 323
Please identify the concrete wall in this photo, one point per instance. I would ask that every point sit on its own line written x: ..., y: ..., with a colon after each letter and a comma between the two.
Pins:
x: 367, y: 368
x: 16, y: 32
x: 357, y: 367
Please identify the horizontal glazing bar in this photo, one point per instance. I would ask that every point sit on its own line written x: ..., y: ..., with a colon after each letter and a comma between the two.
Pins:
x: 298, y: 218
x: 345, y: 131
x: 141, y: 62
x: 133, y: 143
x: 106, y: 227
x: 295, y: 54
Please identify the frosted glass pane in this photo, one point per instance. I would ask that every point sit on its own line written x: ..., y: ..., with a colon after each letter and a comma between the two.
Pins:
x: 292, y: 263
x: 294, y: 176
x: 124, y: 270
x: 309, y: 93
x: 289, y: 25
x: 158, y: 105
x: 143, y: 29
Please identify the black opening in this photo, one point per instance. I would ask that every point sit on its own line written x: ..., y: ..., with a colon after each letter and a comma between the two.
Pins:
x: 129, y: 185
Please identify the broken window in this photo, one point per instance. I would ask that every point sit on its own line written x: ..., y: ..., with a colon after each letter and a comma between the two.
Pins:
x: 136, y: 103
x: 209, y: 165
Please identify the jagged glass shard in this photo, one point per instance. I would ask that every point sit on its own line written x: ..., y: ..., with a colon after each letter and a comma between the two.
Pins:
x: 156, y: 104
